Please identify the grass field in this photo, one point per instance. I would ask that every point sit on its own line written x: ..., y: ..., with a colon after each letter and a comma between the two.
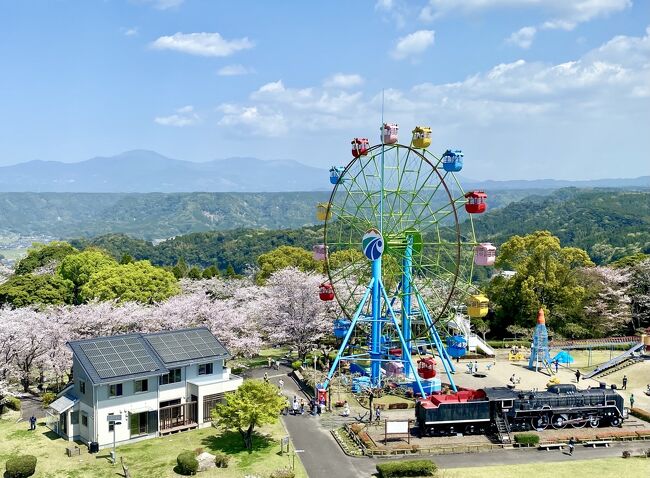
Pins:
x: 605, y: 468
x: 153, y: 458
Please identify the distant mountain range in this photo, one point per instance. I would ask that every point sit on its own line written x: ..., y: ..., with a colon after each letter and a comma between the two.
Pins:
x: 147, y: 171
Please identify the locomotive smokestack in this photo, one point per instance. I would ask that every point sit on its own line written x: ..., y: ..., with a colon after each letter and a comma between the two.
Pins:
x: 540, y: 317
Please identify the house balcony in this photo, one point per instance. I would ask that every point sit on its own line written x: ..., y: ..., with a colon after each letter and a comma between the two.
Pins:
x: 176, y: 418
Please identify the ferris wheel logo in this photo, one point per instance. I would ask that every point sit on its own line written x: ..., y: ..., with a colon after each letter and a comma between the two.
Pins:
x: 372, y: 244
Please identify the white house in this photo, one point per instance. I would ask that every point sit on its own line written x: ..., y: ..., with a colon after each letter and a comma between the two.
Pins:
x: 157, y: 383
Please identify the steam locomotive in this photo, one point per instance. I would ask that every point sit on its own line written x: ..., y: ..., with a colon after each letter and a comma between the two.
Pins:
x: 479, y: 411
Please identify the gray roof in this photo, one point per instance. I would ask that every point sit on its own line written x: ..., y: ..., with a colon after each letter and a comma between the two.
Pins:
x: 110, y: 359
x: 183, y: 347
x: 64, y: 403
x: 133, y: 356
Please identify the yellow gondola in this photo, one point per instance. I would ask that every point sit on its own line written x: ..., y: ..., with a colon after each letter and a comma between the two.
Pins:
x: 322, y: 212
x: 421, y: 137
x: 478, y: 306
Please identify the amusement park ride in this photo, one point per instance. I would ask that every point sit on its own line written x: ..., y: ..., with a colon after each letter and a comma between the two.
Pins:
x: 399, y: 214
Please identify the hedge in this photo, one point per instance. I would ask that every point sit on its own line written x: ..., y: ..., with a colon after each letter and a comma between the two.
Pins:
x: 187, y: 464
x: 406, y: 468
x: 221, y: 460
x: 526, y: 438
x: 21, y: 466
x: 640, y: 413
x: 12, y: 403
x: 283, y: 473
x: 47, y: 398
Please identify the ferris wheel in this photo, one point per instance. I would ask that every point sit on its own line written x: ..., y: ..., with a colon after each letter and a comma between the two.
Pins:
x: 398, y: 217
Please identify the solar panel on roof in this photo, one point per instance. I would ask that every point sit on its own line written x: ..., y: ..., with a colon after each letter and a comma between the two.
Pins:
x: 185, y: 345
x: 118, y: 356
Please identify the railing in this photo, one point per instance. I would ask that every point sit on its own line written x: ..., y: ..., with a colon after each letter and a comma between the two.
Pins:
x: 174, y: 416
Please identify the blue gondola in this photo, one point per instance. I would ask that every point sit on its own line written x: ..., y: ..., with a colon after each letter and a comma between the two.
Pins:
x: 341, y: 327
x: 452, y: 161
x: 335, y: 173
x: 456, y: 346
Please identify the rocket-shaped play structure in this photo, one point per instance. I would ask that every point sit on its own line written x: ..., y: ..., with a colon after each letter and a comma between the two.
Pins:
x: 539, y: 352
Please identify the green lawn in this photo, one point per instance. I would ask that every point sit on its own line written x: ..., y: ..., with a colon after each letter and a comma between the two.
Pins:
x: 153, y: 458
x: 605, y: 468
x: 261, y: 360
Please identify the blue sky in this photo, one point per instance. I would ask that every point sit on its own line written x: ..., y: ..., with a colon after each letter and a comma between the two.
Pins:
x: 527, y: 88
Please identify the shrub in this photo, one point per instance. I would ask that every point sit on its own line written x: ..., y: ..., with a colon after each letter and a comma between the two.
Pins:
x: 526, y: 438
x: 187, y: 464
x: 626, y: 454
x: 21, y: 466
x: 296, y: 365
x: 12, y: 403
x: 406, y: 468
x: 47, y: 398
x: 283, y: 473
x: 640, y: 413
x: 221, y: 460
x: 198, y: 451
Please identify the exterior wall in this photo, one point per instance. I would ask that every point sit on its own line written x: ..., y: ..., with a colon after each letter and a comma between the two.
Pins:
x: 180, y: 389
x: 78, y: 374
x: 129, y: 402
x: 227, y: 383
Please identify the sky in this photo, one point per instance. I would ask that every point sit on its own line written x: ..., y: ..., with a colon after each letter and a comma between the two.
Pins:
x: 528, y: 89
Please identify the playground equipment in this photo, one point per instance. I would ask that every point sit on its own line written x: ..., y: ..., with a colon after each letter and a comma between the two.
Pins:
x: 539, y: 350
x: 409, y: 215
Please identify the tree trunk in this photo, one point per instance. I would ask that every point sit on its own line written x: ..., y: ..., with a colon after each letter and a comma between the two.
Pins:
x: 247, y: 436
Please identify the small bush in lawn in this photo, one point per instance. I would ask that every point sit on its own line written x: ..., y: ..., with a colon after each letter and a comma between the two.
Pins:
x: 406, y: 468
x: 283, y: 473
x: 296, y: 365
x: 187, y: 464
x: 198, y: 451
x: 221, y: 460
x: 21, y: 466
x: 12, y: 403
x: 526, y: 439
x: 626, y: 454
x: 47, y: 398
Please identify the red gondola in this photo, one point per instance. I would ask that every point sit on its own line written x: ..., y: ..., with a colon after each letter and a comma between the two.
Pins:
x: 326, y: 291
x: 427, y: 367
x: 359, y: 147
x: 476, y: 202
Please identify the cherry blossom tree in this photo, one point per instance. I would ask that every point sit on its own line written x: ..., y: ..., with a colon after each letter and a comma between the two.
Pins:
x: 5, y: 273
x: 608, y: 311
x: 295, y: 314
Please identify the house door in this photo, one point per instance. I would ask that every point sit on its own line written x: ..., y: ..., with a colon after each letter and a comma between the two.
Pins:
x: 63, y: 424
x: 194, y: 409
x: 138, y: 424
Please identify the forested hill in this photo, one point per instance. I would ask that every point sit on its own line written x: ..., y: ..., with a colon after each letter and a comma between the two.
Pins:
x: 608, y: 224
x: 155, y: 216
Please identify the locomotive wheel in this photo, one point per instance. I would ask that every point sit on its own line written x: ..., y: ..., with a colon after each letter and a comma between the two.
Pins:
x: 578, y: 424
x: 470, y: 430
x: 616, y: 421
x: 540, y: 423
x: 594, y: 422
x: 559, y: 421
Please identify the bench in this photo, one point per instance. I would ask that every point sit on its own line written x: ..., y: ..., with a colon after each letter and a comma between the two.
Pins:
x: 596, y: 443
x: 298, y: 375
x: 551, y: 446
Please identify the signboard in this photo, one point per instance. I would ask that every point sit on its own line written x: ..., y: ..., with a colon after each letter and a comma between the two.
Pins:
x: 114, y: 418
x: 401, y: 427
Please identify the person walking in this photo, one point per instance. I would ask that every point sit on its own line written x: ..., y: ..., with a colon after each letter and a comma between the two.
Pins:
x: 557, y: 365
x: 578, y: 376
x: 294, y: 405
x: 281, y: 384
x: 377, y: 414
x: 624, y: 387
x: 302, y: 406
x: 270, y: 360
x: 346, y: 409
x: 32, y: 422
x: 266, y: 377
x: 632, y: 400
x: 572, y: 444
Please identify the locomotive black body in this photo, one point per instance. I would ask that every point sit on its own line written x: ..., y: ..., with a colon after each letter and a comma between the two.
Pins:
x: 477, y: 411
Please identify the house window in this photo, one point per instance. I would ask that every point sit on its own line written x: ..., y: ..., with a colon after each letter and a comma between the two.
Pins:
x: 84, y: 419
x: 142, y: 385
x: 74, y: 418
x: 115, y: 390
x: 174, y: 376
x: 82, y: 386
x: 205, y: 369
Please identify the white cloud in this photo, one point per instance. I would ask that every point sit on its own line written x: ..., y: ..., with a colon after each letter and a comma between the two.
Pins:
x: 184, y: 116
x: 161, y: 4
x: 341, y: 80
x: 413, y: 44
x: 385, y: 5
x: 234, y: 70
x: 261, y: 121
x: 130, y: 32
x: 523, y: 37
x: 202, y: 44
x: 566, y: 14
